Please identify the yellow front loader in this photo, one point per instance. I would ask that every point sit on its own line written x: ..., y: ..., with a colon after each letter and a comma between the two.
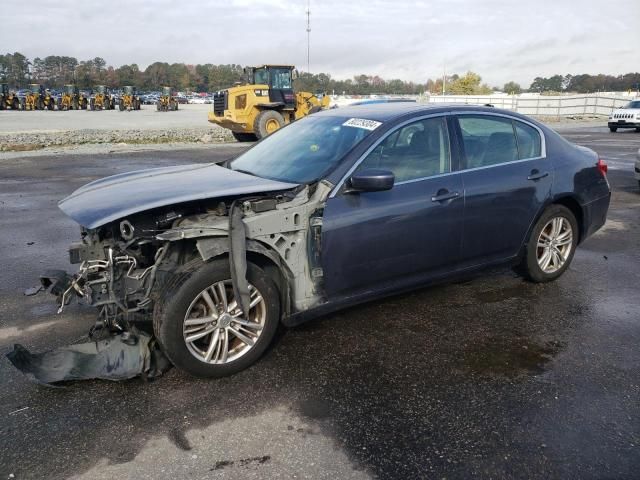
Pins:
x: 264, y: 104
x: 8, y: 98
x: 167, y: 100
x: 72, y: 99
x: 100, y: 100
x: 129, y: 99
x: 37, y: 98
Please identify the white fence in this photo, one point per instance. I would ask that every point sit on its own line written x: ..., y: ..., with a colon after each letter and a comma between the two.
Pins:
x: 559, y: 106
x: 594, y: 104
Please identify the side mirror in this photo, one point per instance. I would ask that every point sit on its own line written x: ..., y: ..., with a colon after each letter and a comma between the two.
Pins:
x: 371, y: 180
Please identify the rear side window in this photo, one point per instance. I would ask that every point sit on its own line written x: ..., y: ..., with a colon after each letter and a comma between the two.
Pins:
x: 528, y: 140
x: 491, y: 140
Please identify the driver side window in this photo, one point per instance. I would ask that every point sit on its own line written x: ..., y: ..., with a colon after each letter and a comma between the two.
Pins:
x: 417, y: 150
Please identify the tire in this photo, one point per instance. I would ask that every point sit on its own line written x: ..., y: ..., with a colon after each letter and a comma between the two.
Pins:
x: 23, y: 104
x: 159, y: 105
x: 16, y: 104
x: 92, y: 104
x: 175, y: 106
x: 3, y: 103
x: 74, y: 104
x: 51, y: 104
x: 613, y: 129
x: 531, y: 264
x: 244, y: 137
x: 262, y: 126
x: 121, y: 106
x: 84, y: 103
x: 638, y: 129
x: 180, y: 294
x: 39, y: 104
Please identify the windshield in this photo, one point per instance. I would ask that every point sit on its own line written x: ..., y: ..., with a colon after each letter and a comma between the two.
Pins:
x: 302, y: 152
x: 634, y: 104
x: 281, y: 78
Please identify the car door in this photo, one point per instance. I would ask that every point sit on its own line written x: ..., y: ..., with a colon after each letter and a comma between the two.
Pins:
x: 507, y: 179
x: 371, y: 239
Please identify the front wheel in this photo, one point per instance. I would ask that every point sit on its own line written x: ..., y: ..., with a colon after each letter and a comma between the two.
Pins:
x: 613, y: 129
x: 200, y: 326
x: 551, y: 245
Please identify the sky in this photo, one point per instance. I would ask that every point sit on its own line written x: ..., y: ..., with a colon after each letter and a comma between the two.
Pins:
x: 415, y: 40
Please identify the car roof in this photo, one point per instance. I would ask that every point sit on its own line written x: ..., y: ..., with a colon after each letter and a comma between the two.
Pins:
x: 384, y: 112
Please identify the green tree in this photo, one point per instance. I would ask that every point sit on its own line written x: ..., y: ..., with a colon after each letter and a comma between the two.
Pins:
x: 512, y: 88
x: 469, y: 84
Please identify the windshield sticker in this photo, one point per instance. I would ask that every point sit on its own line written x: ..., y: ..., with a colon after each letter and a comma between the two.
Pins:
x: 362, y: 123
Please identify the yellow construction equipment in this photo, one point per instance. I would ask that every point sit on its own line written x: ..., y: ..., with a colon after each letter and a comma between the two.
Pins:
x: 100, y: 100
x: 72, y: 99
x: 264, y: 104
x: 167, y: 100
x: 37, y: 98
x: 8, y: 98
x: 129, y: 100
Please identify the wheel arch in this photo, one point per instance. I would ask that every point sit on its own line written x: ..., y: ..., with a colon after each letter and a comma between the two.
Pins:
x: 212, y: 248
x: 573, y: 205
x: 567, y: 200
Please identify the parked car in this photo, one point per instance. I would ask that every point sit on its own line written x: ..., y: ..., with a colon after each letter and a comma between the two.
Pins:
x: 335, y: 209
x: 626, y: 117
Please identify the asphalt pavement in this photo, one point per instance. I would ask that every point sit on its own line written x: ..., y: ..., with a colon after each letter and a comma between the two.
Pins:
x: 487, y: 377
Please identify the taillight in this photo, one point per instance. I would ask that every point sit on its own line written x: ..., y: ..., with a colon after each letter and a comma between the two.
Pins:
x: 602, y: 167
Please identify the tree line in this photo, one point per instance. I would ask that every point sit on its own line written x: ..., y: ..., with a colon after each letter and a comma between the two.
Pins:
x: 55, y: 71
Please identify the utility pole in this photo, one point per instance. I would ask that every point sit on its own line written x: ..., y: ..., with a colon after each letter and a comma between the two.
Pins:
x: 444, y: 78
x: 308, y: 34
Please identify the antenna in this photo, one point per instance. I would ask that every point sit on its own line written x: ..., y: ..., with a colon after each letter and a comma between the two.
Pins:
x: 308, y: 32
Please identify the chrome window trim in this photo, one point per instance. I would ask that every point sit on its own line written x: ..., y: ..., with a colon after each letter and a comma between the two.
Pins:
x: 344, y: 178
x: 543, y: 139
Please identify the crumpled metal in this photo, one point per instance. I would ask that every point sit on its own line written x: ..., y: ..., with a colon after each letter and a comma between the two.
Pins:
x: 119, y: 357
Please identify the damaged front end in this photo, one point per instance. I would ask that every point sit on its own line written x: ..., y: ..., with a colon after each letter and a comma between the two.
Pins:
x: 116, y: 275
x: 125, y: 264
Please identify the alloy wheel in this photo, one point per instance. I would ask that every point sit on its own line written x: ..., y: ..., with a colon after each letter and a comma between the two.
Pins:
x: 554, y: 244
x: 215, y: 331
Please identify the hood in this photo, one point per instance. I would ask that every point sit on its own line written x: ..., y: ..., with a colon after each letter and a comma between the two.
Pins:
x: 118, y: 196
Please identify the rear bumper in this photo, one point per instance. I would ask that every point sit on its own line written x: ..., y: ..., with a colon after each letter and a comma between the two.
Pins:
x: 595, y: 215
x: 232, y: 124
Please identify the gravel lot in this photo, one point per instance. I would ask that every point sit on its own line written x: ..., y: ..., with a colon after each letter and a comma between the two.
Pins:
x: 490, y: 377
x: 21, y: 131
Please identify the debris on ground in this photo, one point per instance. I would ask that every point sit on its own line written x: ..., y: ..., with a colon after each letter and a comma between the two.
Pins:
x: 119, y: 357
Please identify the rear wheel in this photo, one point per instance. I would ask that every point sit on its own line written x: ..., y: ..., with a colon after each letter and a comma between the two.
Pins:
x: 92, y: 104
x: 613, y: 129
x: 39, y: 104
x: 16, y: 104
x: 267, y: 122
x: 159, y: 105
x: 244, y: 137
x: 121, y: 106
x: 551, y: 245
x: 200, y: 327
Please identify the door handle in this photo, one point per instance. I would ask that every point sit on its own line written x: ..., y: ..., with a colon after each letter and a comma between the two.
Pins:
x: 536, y: 175
x: 444, y: 195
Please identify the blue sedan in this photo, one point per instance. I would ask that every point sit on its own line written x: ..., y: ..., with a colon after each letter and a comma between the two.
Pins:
x: 338, y: 208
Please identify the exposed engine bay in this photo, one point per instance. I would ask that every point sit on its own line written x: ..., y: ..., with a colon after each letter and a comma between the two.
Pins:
x: 122, y: 264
